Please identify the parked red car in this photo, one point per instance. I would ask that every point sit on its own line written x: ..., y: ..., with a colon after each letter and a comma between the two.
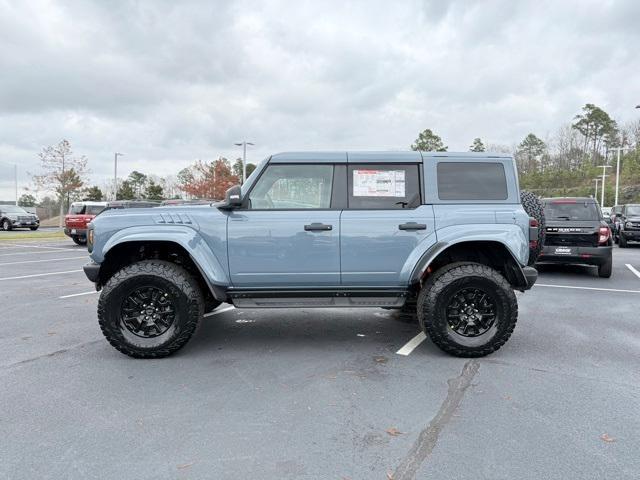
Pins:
x: 76, y: 221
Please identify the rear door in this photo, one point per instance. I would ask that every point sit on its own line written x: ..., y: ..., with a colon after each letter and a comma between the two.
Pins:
x: 385, y: 223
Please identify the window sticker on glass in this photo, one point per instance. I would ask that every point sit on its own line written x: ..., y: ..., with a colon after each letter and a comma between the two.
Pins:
x: 378, y: 183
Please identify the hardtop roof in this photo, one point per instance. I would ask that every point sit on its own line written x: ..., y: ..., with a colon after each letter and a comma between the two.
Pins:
x: 375, y: 156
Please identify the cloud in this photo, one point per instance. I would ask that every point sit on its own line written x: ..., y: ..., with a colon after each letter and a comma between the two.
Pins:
x: 169, y: 82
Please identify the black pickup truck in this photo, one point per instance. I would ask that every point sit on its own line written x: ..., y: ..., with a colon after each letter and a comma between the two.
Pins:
x: 576, y: 233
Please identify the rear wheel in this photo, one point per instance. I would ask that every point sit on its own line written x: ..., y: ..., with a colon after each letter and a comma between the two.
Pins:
x: 6, y: 225
x: 467, y: 309
x: 150, y: 309
x: 533, y: 206
x: 79, y: 240
x: 604, y: 270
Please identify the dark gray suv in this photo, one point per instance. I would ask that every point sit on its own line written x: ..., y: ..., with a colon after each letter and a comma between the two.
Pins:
x: 12, y: 217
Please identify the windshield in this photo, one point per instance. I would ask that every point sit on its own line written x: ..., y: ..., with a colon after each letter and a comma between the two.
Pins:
x: 13, y: 209
x: 633, y: 210
x: 571, y: 210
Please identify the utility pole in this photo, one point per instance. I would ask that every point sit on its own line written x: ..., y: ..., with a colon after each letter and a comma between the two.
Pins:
x: 604, y: 169
x: 115, y: 174
x: 620, y: 149
x: 244, y: 158
x: 596, y: 195
x: 15, y: 178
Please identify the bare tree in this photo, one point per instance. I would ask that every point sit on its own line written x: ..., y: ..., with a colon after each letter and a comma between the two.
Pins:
x: 63, y: 173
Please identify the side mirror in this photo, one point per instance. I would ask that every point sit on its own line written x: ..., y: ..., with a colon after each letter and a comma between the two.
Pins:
x: 233, y: 197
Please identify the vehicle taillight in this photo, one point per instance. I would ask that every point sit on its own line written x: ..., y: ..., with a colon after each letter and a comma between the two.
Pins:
x: 533, y: 224
x: 603, y: 236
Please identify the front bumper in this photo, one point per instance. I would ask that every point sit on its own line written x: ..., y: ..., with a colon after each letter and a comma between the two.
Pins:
x: 633, y: 235
x: 75, y: 232
x: 92, y: 271
x: 575, y: 255
x: 30, y: 224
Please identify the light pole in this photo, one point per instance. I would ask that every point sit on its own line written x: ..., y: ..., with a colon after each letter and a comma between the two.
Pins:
x: 596, y: 195
x: 115, y: 174
x: 618, y: 169
x: 244, y: 158
x: 15, y: 177
x: 604, y: 169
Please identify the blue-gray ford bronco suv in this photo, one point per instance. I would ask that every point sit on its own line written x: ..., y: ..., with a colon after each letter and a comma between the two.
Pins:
x: 443, y: 234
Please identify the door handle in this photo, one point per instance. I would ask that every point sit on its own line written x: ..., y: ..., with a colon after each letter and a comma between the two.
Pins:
x: 320, y: 227
x: 412, y: 226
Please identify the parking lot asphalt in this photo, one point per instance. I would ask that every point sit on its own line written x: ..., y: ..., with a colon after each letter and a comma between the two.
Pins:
x: 317, y: 393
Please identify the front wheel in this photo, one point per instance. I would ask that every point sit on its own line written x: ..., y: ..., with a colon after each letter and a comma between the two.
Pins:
x: 6, y: 225
x: 33, y: 229
x: 467, y: 309
x: 150, y: 309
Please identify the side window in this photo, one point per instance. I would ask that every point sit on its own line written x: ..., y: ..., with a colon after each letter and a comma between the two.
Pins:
x: 293, y: 187
x: 383, y: 186
x: 471, y: 181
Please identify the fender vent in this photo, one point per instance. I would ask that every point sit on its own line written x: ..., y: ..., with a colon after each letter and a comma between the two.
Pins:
x: 173, y: 218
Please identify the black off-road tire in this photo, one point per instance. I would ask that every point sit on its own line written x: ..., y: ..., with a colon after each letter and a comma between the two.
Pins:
x: 79, y: 240
x: 533, y: 206
x: 183, y: 291
x: 622, y: 242
x: 438, y: 291
x: 604, y: 270
x: 6, y: 225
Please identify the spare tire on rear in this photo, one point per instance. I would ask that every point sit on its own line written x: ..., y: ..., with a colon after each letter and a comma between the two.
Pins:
x: 533, y: 206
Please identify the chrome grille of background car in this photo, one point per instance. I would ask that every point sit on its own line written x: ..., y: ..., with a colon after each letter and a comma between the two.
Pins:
x: 25, y: 219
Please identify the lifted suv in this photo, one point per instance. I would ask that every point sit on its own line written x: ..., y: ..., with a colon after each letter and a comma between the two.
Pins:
x: 443, y: 234
x: 629, y: 224
x: 576, y: 233
x: 79, y: 216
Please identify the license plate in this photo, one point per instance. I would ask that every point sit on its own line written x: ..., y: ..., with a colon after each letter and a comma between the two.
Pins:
x: 73, y: 231
x: 563, y: 251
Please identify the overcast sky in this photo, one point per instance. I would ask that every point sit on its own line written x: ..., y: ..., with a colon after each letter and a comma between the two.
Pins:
x: 169, y: 82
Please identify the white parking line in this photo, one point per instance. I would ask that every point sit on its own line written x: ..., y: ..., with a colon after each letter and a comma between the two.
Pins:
x: 47, y: 260
x: 635, y: 272
x: 215, y: 312
x: 587, y: 288
x: 39, y: 246
x: 40, y: 252
x: 79, y: 294
x: 412, y: 344
x: 39, y: 275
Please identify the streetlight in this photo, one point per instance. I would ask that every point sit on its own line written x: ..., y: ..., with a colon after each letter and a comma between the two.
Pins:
x: 244, y: 158
x: 596, y: 195
x: 15, y: 177
x: 604, y: 167
x: 619, y: 149
x: 115, y: 174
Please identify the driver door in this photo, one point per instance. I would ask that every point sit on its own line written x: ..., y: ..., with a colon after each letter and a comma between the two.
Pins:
x: 288, y: 235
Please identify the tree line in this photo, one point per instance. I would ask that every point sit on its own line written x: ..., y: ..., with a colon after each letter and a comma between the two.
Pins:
x: 568, y: 162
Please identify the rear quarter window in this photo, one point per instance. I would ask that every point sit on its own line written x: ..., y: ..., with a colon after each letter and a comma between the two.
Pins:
x: 471, y: 181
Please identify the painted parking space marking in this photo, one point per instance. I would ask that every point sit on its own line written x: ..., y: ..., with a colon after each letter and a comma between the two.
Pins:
x: 587, y: 288
x: 411, y: 345
x: 39, y: 246
x: 39, y: 275
x: 39, y: 252
x: 633, y: 270
x: 45, y: 260
x: 222, y: 310
x: 92, y: 292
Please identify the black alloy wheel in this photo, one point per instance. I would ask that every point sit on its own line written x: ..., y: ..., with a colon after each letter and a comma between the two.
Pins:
x: 147, y: 312
x: 471, y: 312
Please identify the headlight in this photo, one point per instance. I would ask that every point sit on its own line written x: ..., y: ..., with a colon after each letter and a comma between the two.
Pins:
x: 628, y: 225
